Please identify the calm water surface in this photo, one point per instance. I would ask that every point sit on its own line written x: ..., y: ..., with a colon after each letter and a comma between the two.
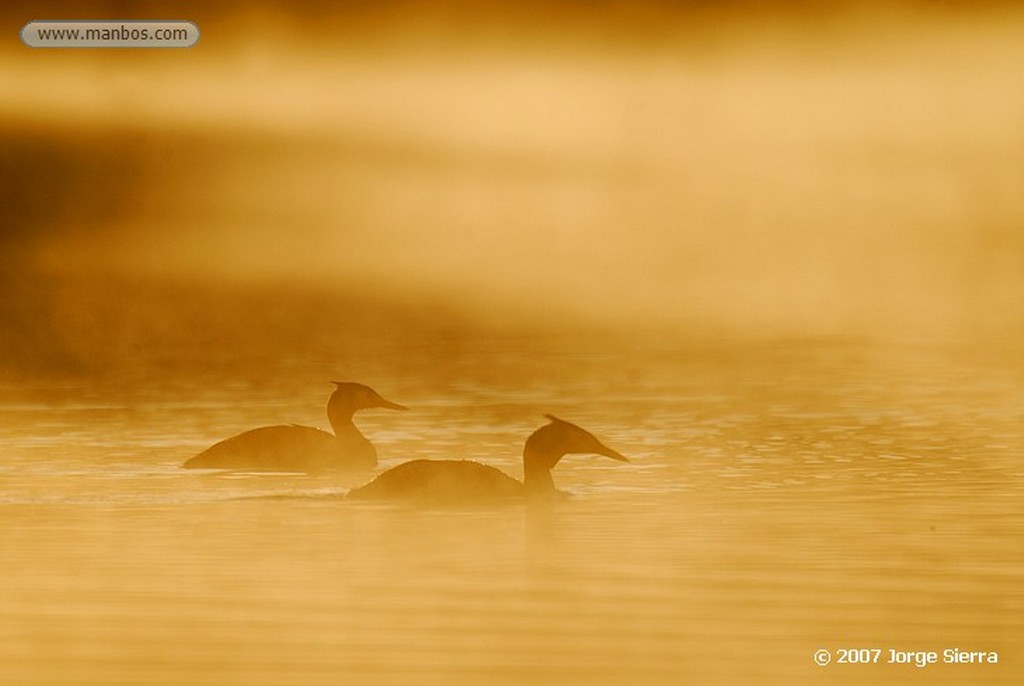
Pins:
x: 783, y: 498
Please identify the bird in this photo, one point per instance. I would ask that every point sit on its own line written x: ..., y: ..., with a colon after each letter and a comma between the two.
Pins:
x: 294, y: 448
x: 467, y: 481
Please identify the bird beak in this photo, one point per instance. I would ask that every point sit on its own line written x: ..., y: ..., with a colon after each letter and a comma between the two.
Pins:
x: 381, y: 402
x: 602, y: 449
x: 371, y: 398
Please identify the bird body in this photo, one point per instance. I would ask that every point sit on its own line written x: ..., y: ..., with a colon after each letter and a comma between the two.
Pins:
x: 441, y: 480
x: 466, y: 481
x: 286, y: 448
x: 294, y: 448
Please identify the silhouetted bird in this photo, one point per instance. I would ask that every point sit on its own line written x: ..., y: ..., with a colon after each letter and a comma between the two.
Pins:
x: 465, y: 481
x: 293, y: 448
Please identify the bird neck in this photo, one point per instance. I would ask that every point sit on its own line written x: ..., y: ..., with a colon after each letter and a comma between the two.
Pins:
x: 340, y: 418
x: 539, y: 481
x: 537, y: 471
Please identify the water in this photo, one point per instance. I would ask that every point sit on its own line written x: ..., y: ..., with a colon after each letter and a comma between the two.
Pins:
x: 783, y: 497
x: 195, y: 243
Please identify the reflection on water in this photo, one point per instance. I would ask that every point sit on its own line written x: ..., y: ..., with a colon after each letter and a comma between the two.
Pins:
x: 781, y: 499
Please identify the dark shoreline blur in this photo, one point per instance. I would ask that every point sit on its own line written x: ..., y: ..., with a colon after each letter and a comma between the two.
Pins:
x: 569, y: 176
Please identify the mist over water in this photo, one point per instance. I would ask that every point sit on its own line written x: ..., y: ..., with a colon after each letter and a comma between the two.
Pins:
x: 856, y: 176
x: 774, y: 258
